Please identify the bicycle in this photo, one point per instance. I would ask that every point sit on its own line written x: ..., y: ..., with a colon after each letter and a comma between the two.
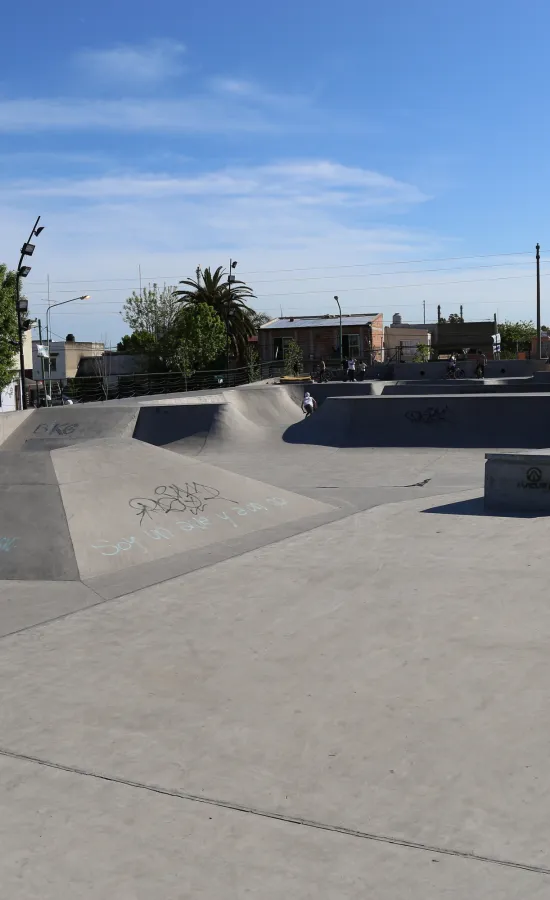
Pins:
x: 455, y: 373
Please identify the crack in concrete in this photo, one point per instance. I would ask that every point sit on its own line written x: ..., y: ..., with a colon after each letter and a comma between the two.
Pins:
x: 281, y: 817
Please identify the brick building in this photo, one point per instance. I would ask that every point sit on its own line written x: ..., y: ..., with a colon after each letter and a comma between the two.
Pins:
x: 319, y: 337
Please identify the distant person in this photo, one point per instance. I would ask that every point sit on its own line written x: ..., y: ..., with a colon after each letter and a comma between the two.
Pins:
x: 323, y: 371
x: 351, y: 370
x: 481, y: 362
x: 66, y: 401
x: 362, y: 370
x: 451, y: 368
x: 308, y: 404
x: 344, y: 368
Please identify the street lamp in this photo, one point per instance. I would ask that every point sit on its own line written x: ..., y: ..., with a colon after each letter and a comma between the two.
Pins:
x: 48, y: 329
x: 230, y: 280
x: 341, y: 347
x: 21, y: 272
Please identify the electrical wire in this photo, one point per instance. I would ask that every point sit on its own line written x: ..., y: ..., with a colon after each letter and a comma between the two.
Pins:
x: 402, y: 262
x: 381, y: 287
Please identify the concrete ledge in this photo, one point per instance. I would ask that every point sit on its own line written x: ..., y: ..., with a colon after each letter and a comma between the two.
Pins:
x: 518, y: 482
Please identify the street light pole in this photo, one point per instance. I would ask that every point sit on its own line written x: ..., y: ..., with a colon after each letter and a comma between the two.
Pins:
x: 48, y: 329
x: 341, y: 345
x: 21, y: 272
x: 538, y: 303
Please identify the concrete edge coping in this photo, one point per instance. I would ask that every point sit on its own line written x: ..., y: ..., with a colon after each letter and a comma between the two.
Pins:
x: 521, y: 456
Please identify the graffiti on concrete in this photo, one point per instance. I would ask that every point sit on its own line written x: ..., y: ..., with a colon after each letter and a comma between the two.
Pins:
x: 62, y: 430
x: 429, y: 416
x: 7, y: 544
x: 192, y: 497
x: 201, y: 523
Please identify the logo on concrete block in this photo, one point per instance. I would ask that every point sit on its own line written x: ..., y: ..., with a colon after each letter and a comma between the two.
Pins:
x: 533, y: 480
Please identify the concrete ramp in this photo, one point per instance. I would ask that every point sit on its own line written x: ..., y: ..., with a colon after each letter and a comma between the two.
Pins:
x: 35, y: 542
x: 10, y: 421
x: 46, y: 429
x: 234, y: 418
x: 119, y: 514
x: 490, y: 421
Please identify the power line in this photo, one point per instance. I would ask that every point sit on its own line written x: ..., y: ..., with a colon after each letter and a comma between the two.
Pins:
x: 381, y: 287
x: 400, y: 262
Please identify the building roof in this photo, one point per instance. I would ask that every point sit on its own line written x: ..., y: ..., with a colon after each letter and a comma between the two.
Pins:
x: 328, y: 321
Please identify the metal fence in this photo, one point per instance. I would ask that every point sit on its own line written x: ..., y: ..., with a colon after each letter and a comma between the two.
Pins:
x: 97, y: 388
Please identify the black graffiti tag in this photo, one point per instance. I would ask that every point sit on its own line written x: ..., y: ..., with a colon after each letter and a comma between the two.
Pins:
x: 62, y: 430
x: 429, y: 416
x: 192, y: 497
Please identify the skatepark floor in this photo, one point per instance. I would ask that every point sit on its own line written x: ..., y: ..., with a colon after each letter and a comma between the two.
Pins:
x: 356, y: 709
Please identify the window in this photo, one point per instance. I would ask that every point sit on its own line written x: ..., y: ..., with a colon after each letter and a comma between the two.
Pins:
x: 350, y: 345
x: 279, y: 347
x: 53, y: 363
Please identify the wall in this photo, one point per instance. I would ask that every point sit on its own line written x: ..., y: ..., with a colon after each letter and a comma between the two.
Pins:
x: 394, y: 336
x: 113, y: 364
x: 503, y: 368
x: 8, y: 398
x: 75, y: 352
x: 323, y: 342
x: 67, y: 358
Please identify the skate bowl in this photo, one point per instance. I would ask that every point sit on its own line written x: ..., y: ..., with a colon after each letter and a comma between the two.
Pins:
x: 236, y: 417
x: 460, y: 420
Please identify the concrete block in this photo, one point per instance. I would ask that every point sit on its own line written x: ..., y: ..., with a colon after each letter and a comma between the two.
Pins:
x: 518, y: 482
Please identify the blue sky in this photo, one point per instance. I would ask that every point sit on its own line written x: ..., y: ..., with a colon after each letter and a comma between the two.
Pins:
x: 323, y: 145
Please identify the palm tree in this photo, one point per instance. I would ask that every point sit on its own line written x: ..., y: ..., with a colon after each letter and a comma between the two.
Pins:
x: 228, y: 302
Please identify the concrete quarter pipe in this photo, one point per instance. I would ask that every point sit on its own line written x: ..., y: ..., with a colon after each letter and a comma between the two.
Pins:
x: 459, y: 420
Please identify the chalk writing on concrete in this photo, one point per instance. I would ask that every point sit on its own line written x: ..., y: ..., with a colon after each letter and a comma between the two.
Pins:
x: 429, y: 416
x: 192, y: 497
x: 230, y: 516
x: 62, y: 430
x: 7, y: 544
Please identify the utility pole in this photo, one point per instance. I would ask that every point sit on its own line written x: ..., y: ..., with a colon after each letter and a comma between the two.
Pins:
x: 341, y: 343
x: 42, y: 360
x: 424, y: 308
x: 538, y: 354
x: 21, y: 272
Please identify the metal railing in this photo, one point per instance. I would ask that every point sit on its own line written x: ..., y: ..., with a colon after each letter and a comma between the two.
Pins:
x: 97, y: 388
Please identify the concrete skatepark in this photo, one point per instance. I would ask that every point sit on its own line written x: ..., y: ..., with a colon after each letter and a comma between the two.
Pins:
x: 245, y: 654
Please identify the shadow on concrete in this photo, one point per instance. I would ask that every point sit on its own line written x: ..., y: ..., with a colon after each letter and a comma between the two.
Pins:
x: 475, y: 507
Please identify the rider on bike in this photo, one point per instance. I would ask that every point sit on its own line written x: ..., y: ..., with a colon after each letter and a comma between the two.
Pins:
x: 451, y: 368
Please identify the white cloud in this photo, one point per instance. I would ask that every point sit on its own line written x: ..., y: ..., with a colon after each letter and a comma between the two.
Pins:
x: 129, y: 65
x: 304, y: 183
x: 198, y: 115
x: 296, y: 214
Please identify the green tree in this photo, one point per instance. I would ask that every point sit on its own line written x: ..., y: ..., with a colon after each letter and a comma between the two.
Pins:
x: 422, y: 353
x: 9, y: 335
x: 293, y: 358
x: 229, y: 302
x: 254, y: 369
x: 195, y: 339
x: 515, y: 337
x: 153, y: 311
x: 259, y: 319
x: 455, y: 319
